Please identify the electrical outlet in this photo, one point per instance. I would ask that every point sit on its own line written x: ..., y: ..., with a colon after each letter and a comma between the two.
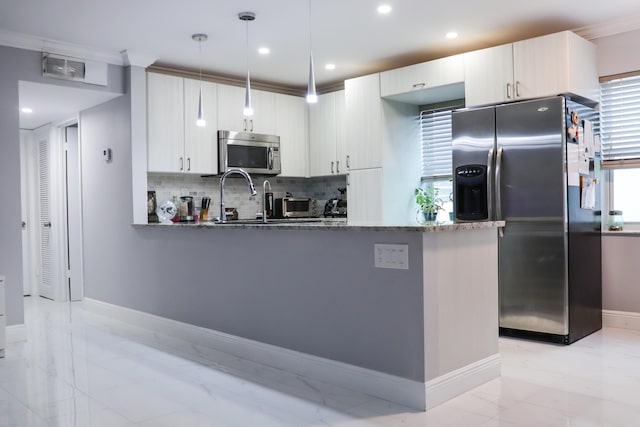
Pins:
x: 395, y: 256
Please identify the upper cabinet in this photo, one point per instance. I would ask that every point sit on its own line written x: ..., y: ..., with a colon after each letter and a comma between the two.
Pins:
x: 230, y: 110
x: 175, y: 143
x: 326, y: 135
x: 419, y: 84
x: 560, y: 63
x: 363, y: 122
x: 200, y: 142
x: 292, y: 124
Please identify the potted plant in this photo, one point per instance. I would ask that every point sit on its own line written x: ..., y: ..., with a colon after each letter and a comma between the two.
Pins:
x: 428, y: 202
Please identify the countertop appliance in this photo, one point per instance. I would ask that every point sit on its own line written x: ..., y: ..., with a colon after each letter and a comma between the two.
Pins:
x: 255, y: 153
x: 291, y: 207
x: 518, y: 162
x: 336, y: 207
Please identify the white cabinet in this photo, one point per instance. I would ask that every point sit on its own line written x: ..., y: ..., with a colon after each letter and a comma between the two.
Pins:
x: 165, y: 123
x: 364, y: 197
x: 200, y: 142
x: 230, y: 110
x: 326, y: 135
x: 3, y: 318
x: 363, y: 122
x: 292, y: 124
x: 175, y: 143
x: 488, y: 75
x: 425, y: 82
x: 560, y: 63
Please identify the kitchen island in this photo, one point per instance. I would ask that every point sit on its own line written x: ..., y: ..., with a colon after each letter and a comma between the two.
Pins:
x: 408, y: 314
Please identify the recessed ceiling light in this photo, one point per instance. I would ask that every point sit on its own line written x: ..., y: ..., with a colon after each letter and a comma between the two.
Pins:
x: 264, y: 51
x: 452, y: 35
x: 384, y: 9
x: 26, y: 110
x: 330, y: 66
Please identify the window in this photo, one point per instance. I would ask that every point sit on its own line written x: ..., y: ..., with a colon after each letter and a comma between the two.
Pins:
x: 435, y: 134
x: 625, y: 195
x: 620, y: 130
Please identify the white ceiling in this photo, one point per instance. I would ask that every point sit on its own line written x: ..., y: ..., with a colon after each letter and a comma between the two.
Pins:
x: 349, y: 33
x: 52, y: 104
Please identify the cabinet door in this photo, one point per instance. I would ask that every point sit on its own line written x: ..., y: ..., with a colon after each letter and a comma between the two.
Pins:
x: 539, y: 66
x: 341, y: 137
x: 488, y: 75
x: 165, y: 127
x: 364, y: 197
x: 264, y: 116
x: 322, y: 136
x: 426, y: 75
x: 363, y: 114
x: 230, y: 106
x: 292, y: 124
x: 200, y: 143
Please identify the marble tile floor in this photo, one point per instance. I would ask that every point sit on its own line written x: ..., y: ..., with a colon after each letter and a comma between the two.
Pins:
x: 81, y: 369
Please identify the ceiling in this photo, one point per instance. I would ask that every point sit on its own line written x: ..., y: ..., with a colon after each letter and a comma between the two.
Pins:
x: 350, y: 34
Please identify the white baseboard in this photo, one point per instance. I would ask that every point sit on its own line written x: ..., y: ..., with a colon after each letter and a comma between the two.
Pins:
x: 16, y: 333
x: 621, y: 319
x: 414, y: 394
x: 454, y: 383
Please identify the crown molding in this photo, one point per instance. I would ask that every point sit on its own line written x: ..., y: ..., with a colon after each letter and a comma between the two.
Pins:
x: 609, y: 28
x: 41, y: 44
x: 137, y: 59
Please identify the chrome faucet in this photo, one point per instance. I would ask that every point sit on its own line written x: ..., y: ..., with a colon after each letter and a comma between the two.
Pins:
x: 264, y: 200
x: 252, y: 188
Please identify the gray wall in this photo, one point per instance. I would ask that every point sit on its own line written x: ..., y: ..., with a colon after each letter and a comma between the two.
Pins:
x: 16, y: 65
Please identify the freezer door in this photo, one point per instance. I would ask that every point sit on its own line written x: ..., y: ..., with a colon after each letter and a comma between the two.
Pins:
x: 530, y: 186
x: 473, y: 140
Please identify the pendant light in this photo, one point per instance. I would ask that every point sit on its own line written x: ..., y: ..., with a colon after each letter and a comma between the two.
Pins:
x: 200, y: 121
x: 247, y: 17
x: 312, y: 96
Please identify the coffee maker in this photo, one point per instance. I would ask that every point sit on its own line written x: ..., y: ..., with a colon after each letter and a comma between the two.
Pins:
x: 336, y: 207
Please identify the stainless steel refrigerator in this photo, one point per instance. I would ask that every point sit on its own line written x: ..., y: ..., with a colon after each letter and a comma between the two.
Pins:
x: 511, y: 163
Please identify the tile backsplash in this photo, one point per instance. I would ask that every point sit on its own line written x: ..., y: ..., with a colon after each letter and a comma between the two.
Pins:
x: 236, y: 191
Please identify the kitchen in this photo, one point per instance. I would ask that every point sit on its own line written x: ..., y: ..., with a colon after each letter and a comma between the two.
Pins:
x: 101, y: 278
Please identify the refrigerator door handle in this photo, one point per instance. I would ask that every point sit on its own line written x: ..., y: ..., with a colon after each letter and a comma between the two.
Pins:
x: 498, y: 195
x: 490, y: 184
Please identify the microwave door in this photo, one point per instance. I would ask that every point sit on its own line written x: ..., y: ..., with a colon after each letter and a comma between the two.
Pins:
x: 248, y: 157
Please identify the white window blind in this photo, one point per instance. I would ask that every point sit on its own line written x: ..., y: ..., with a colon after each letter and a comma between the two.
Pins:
x: 620, y: 119
x: 435, y: 131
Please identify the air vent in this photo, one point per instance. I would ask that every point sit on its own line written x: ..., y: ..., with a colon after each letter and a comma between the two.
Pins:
x: 80, y: 70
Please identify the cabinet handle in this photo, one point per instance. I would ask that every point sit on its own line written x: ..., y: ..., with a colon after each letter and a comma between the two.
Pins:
x: 251, y: 126
x: 181, y: 163
x: 419, y: 85
x: 337, y: 166
x: 348, y: 180
x: 517, y: 89
x: 331, y: 167
x: 244, y: 127
x: 188, y: 163
x: 348, y: 162
x: 508, y: 90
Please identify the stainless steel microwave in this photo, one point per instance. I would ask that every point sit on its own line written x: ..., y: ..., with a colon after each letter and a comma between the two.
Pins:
x: 255, y: 153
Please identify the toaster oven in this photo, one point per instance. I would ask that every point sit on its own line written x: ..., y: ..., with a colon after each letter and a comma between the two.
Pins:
x: 289, y: 207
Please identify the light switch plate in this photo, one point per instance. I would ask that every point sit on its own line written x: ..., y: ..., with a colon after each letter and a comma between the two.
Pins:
x: 395, y: 256
x: 106, y: 154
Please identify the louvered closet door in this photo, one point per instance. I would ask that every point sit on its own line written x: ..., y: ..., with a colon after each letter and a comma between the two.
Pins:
x: 45, y: 285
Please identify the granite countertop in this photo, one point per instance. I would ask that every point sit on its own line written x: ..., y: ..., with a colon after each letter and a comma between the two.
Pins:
x: 327, y: 224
